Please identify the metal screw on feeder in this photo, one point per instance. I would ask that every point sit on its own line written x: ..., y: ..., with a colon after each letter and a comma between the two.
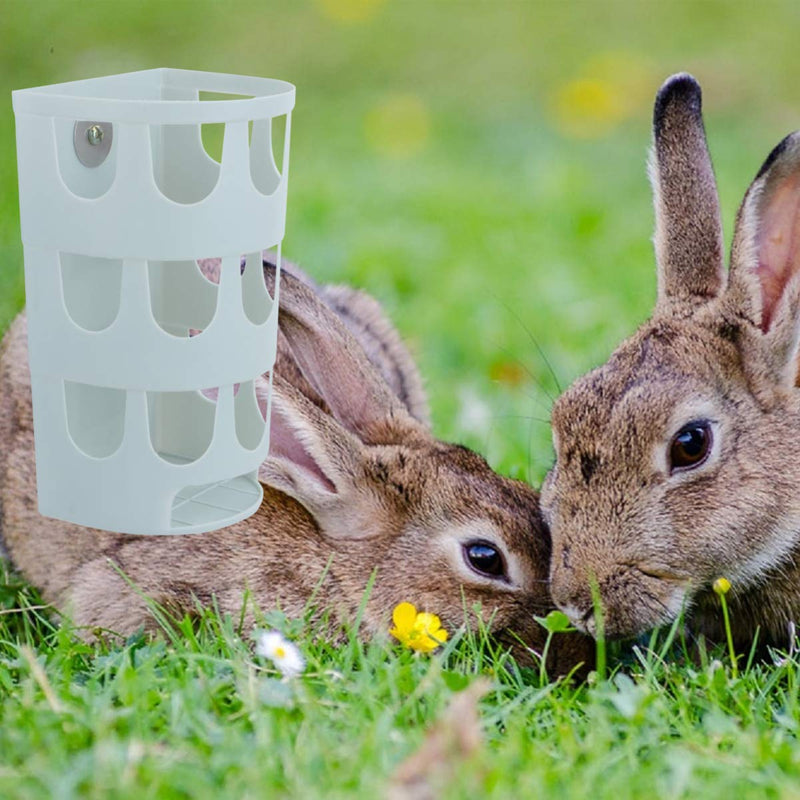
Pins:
x: 92, y: 142
x: 95, y: 135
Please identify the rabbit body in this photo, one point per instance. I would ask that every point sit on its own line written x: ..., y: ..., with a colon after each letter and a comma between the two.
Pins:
x: 675, y: 460
x: 355, y: 484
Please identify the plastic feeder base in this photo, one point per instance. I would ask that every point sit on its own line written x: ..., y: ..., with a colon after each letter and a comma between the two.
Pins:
x: 197, y: 509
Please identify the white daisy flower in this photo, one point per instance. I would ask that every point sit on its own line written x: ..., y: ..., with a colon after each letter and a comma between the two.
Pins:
x: 284, y: 654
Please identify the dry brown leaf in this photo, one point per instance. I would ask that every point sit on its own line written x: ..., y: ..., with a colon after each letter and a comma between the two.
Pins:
x: 452, y: 739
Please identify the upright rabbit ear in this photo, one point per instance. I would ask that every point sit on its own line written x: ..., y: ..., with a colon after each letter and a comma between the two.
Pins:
x: 688, y: 237
x: 764, y: 281
x: 313, y: 459
x: 337, y: 368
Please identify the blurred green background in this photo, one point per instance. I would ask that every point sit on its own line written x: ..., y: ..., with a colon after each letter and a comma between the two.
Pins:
x: 479, y: 167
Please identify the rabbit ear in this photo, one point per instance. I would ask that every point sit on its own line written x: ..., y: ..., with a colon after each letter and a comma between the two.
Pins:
x: 336, y: 366
x: 312, y: 458
x: 688, y: 236
x: 764, y: 281
x: 367, y: 321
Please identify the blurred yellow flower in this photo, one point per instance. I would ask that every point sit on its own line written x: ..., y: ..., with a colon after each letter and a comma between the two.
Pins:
x: 399, y: 126
x: 610, y: 87
x: 349, y: 10
x: 721, y: 586
x: 418, y: 630
x: 587, y: 108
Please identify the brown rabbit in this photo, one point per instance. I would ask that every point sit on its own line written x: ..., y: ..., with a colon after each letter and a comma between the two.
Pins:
x: 354, y: 484
x: 675, y: 460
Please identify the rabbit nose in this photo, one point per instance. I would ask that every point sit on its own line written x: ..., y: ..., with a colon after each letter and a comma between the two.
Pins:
x: 581, y: 618
x: 573, y: 598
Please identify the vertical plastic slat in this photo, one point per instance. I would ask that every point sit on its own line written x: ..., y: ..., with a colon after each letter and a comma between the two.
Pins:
x: 235, y: 155
x: 229, y: 299
x: 263, y: 445
x: 134, y: 305
x: 286, y: 140
x: 224, y: 420
x: 135, y: 160
x: 271, y: 331
x: 136, y: 439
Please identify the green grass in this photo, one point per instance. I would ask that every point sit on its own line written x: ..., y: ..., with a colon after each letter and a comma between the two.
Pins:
x: 195, y: 714
x: 501, y: 223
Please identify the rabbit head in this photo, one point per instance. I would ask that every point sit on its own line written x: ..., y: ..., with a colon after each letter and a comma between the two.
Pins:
x: 674, y: 460
x: 438, y: 526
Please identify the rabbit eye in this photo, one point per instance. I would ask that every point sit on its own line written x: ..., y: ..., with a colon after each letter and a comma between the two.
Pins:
x: 690, y: 446
x: 485, y: 559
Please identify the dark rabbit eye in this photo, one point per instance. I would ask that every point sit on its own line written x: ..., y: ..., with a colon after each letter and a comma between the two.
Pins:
x: 485, y: 559
x: 691, y: 446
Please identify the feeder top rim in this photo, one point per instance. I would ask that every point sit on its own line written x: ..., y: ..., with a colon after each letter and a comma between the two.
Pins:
x: 161, y: 96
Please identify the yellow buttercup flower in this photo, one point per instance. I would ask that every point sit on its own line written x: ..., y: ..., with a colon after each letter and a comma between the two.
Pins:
x: 418, y: 630
x: 721, y: 586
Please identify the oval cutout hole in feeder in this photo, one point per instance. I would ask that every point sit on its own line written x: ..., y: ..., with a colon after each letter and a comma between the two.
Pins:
x: 91, y: 289
x: 181, y: 424
x: 265, y: 158
x: 251, y: 412
x: 256, y: 298
x: 95, y: 418
x: 182, y: 168
x: 183, y: 299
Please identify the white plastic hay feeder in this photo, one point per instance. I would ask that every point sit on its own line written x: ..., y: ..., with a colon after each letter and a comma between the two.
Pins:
x: 118, y: 201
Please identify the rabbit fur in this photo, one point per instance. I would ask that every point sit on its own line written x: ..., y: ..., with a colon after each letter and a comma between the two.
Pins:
x: 355, y: 483
x: 714, y: 367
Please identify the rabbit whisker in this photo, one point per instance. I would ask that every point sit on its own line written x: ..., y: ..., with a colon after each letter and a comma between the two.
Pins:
x: 521, y: 416
x: 532, y: 338
x: 537, y: 382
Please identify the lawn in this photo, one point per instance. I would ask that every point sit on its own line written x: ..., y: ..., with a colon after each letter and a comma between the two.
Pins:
x: 479, y: 167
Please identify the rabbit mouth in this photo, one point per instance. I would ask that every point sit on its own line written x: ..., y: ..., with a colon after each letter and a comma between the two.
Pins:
x: 659, y: 574
x: 632, y: 600
x: 660, y: 599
